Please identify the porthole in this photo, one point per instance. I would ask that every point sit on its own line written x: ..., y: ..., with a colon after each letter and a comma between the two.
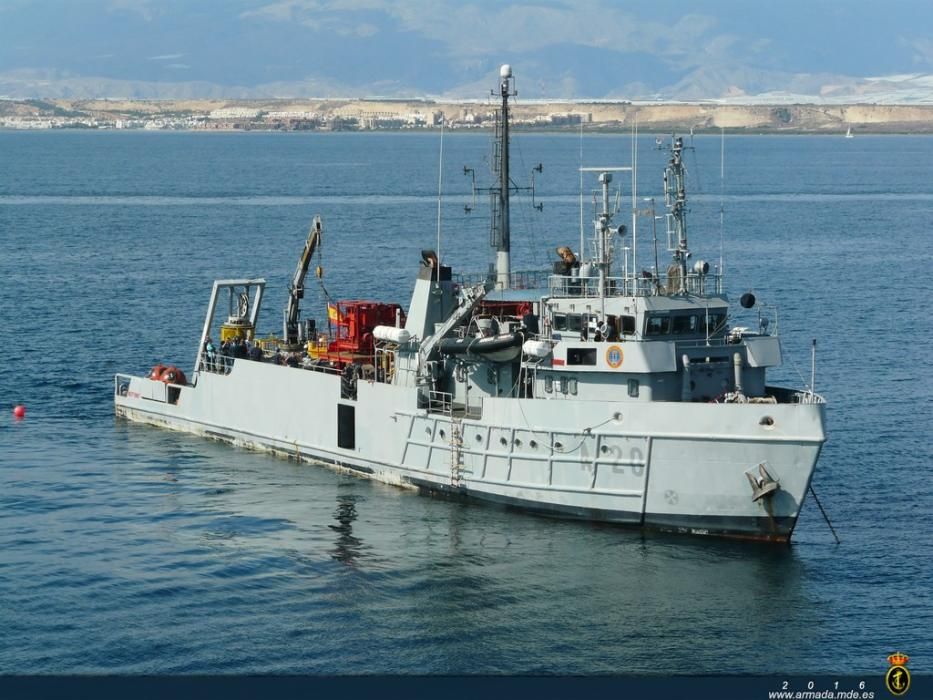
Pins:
x: 604, y: 449
x: 558, y: 445
x: 442, y: 434
x: 766, y: 422
x: 479, y: 438
x: 518, y: 443
x: 533, y: 444
x: 503, y: 441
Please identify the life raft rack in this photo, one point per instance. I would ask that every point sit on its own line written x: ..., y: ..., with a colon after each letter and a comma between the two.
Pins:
x: 169, y: 374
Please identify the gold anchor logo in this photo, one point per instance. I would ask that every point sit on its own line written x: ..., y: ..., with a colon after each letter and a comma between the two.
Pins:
x: 897, y: 679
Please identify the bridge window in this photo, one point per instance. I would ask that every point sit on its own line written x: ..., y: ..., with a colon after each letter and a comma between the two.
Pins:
x: 658, y: 325
x: 572, y: 323
x: 684, y: 325
x: 628, y: 324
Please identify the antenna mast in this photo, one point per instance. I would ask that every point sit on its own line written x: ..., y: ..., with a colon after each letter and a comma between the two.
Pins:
x: 675, y: 198
x: 582, y: 243
x: 440, y: 182
x: 500, y: 224
x: 604, y: 230
x: 722, y: 186
x: 500, y: 238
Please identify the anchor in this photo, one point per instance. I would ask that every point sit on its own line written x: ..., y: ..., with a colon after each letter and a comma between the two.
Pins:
x: 763, y: 484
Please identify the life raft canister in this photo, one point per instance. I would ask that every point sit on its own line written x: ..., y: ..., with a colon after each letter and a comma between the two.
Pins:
x: 169, y: 374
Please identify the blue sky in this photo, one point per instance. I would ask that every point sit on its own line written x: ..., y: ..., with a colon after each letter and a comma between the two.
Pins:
x: 578, y: 48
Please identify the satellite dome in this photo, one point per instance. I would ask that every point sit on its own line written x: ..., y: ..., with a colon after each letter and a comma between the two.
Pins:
x: 505, y: 71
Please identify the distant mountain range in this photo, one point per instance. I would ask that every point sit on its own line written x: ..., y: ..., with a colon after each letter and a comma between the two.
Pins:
x: 737, y: 86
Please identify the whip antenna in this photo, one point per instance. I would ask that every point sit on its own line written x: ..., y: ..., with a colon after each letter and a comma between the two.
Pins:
x: 440, y: 172
x: 582, y: 244
x: 722, y: 187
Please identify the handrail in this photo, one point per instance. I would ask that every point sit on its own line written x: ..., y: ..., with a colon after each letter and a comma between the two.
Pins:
x: 440, y: 402
x: 588, y: 287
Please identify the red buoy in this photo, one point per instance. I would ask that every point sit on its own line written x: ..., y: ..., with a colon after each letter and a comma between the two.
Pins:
x: 19, y: 411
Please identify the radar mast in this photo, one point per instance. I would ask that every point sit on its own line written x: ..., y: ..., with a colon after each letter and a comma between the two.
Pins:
x: 675, y: 199
x: 500, y: 212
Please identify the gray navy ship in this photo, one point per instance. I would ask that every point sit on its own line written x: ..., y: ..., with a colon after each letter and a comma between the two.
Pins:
x: 593, y: 390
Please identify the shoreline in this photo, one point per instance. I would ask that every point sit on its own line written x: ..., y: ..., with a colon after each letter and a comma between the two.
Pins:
x: 402, y: 115
x: 596, y: 130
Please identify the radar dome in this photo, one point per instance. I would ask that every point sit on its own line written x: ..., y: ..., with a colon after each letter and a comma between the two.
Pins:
x: 505, y: 71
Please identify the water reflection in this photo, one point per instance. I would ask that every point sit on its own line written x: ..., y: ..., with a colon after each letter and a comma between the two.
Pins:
x: 347, y: 547
x: 518, y: 593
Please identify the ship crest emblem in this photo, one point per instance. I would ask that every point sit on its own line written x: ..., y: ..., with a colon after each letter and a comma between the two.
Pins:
x: 614, y: 356
x: 897, y: 679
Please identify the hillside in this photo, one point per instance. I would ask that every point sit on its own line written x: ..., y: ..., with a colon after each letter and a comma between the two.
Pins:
x: 368, y: 114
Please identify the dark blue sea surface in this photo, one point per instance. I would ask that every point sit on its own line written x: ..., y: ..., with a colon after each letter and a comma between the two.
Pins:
x: 130, y: 549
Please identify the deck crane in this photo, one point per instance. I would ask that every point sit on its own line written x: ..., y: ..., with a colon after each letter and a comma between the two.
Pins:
x: 293, y: 332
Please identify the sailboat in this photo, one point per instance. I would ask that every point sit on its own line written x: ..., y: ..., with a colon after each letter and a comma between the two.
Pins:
x: 849, y: 133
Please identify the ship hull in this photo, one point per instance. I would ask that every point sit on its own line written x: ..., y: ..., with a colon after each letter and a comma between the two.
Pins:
x: 669, y: 466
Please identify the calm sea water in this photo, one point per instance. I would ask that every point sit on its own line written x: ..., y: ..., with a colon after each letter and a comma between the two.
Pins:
x: 128, y: 549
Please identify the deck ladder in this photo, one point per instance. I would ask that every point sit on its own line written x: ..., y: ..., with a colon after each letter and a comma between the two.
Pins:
x: 456, y: 452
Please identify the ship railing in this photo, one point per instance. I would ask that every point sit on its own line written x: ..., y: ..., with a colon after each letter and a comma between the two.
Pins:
x: 587, y: 286
x: 219, y: 364
x: 711, y: 342
x: 809, y: 397
x: 473, y: 410
x: 440, y: 402
x: 443, y: 402
x: 629, y: 286
x: 703, y: 285
x: 521, y: 279
x: 785, y: 395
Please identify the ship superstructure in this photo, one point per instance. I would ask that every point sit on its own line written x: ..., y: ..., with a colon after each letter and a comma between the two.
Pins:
x: 603, y: 392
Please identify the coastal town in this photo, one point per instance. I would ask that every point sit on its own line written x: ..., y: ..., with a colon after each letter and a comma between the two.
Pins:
x: 375, y: 114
